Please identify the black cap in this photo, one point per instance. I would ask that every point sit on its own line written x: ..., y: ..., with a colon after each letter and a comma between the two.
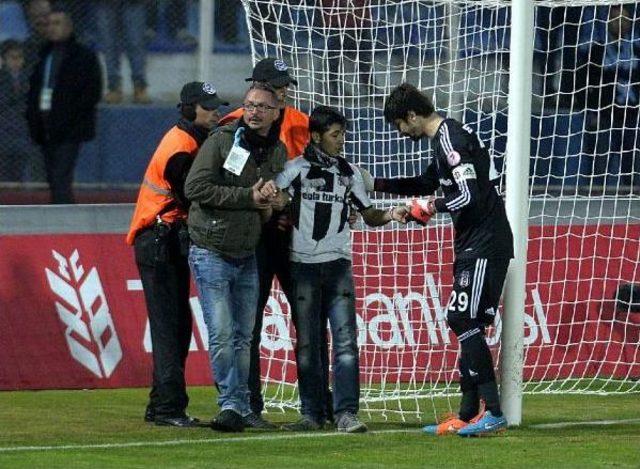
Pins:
x: 272, y: 71
x: 202, y: 93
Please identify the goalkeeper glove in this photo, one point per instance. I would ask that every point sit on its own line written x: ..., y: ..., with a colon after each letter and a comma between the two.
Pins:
x: 423, y: 210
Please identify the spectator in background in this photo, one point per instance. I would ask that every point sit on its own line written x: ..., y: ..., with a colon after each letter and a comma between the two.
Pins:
x: 169, y: 15
x: 348, y: 25
x: 121, y: 28
x: 83, y: 18
x: 265, y: 29
x: 16, y: 148
x: 553, y: 65
x: 613, y: 100
x: 64, y: 91
x: 37, y: 12
x: 226, y: 18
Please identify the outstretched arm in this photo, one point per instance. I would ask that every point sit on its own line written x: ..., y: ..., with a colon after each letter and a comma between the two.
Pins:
x: 424, y: 184
x: 373, y: 216
x: 376, y: 217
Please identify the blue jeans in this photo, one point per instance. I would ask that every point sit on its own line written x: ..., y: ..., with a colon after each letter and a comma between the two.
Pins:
x: 228, y: 290
x: 325, y: 290
x: 121, y: 27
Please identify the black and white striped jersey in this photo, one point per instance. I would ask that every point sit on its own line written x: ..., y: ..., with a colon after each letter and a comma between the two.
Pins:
x: 321, y: 196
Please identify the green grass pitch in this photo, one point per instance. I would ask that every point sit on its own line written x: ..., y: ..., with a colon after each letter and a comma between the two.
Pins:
x: 104, y: 428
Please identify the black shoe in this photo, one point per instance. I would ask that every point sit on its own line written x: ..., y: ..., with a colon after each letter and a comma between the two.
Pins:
x: 184, y: 421
x: 228, y: 421
x: 305, y: 424
x: 150, y: 415
x: 254, y: 420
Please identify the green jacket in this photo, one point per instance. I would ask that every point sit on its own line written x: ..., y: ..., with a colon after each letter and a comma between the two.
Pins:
x: 222, y: 216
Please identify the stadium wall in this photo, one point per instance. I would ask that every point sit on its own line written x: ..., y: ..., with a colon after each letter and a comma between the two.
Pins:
x: 72, y: 312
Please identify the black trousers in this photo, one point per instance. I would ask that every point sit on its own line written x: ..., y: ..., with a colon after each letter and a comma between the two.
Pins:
x: 164, y: 271
x: 60, y: 164
x: 272, y: 255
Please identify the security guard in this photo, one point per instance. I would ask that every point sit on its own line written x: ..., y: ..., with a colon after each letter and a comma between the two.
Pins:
x: 160, y: 239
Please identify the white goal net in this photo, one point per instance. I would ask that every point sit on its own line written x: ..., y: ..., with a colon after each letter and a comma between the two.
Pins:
x: 582, y: 312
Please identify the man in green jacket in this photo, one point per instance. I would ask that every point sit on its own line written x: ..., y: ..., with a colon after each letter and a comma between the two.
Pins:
x: 225, y: 218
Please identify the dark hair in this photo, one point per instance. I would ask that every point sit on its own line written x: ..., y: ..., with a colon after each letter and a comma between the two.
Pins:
x: 324, y: 117
x: 9, y: 45
x: 188, y: 111
x: 405, y: 98
x: 264, y: 86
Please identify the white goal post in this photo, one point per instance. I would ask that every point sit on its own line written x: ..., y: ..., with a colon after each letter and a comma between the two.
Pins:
x: 517, y: 206
x: 551, y: 87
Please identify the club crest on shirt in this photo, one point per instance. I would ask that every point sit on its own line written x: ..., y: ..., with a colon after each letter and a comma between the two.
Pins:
x: 464, y: 279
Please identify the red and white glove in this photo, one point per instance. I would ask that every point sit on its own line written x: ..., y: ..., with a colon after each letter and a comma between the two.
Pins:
x: 423, y: 210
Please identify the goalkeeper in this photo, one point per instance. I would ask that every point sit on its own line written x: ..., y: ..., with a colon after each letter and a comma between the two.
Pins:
x: 462, y: 167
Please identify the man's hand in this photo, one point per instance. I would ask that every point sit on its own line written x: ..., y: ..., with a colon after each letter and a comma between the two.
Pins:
x: 422, y: 210
x: 259, y: 200
x: 269, y: 190
x: 367, y: 178
x: 280, y: 201
x: 400, y: 213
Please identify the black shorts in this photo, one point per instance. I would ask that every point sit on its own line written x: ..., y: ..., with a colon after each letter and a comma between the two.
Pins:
x: 477, y: 286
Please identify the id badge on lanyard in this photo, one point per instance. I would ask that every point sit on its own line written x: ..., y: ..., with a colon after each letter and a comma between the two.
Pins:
x: 45, y: 99
x: 46, y: 93
x: 237, y: 157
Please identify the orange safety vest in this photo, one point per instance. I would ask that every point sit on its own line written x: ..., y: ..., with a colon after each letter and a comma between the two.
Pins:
x: 294, y: 130
x: 155, y: 192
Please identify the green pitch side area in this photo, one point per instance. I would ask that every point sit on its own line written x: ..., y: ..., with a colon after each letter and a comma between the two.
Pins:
x: 104, y: 428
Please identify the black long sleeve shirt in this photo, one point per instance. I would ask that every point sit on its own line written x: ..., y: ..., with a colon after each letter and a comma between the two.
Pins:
x: 462, y: 167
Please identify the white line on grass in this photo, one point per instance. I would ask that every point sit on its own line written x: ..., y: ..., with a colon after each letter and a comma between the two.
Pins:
x: 278, y: 437
x: 583, y: 423
x: 137, y: 444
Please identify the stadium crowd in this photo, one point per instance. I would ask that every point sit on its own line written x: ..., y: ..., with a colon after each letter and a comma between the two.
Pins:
x: 578, y: 52
x: 31, y: 49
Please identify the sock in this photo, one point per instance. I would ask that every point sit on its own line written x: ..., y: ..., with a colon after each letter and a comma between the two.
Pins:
x: 476, y: 357
x: 489, y: 392
x: 470, y: 402
x: 469, y: 405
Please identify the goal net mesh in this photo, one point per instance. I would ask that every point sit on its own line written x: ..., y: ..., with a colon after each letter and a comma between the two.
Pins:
x: 582, y: 312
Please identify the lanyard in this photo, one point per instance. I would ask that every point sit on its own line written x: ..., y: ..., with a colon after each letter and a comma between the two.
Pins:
x: 47, y: 71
